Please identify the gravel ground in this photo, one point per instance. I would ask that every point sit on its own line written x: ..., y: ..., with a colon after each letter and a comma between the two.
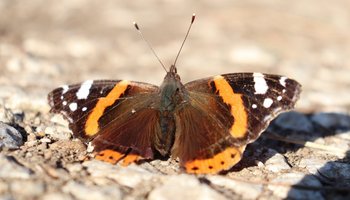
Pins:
x: 46, y: 44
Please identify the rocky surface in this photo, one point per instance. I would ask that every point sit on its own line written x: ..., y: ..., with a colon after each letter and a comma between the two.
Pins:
x: 10, y: 137
x: 46, y: 44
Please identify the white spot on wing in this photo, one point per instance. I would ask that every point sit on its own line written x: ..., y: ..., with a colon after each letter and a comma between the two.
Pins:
x: 284, y: 90
x: 73, y: 106
x: 133, y: 111
x: 64, y: 103
x: 279, y: 98
x: 260, y: 85
x: 267, y: 102
x: 254, y: 106
x: 283, y: 81
x: 84, y: 109
x: 84, y: 89
x: 65, y: 88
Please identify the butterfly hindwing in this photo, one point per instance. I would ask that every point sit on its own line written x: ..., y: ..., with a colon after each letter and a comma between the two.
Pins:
x: 239, y: 106
x: 203, y: 142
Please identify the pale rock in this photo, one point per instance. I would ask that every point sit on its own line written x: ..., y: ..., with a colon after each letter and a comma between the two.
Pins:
x: 28, y: 188
x: 183, y: 187
x: 10, y: 169
x: 130, y: 176
x: 45, y: 140
x: 284, y: 192
x: 244, y: 189
x: 74, y: 167
x: 56, y: 196
x: 276, y: 162
x: 92, y: 192
x: 312, y: 164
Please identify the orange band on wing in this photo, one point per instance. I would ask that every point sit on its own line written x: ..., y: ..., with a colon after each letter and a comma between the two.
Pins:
x: 239, y: 127
x: 109, y: 155
x: 221, y: 161
x: 91, y: 126
x: 131, y: 158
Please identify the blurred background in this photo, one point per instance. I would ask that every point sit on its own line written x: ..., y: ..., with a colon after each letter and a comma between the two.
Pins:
x: 44, y: 44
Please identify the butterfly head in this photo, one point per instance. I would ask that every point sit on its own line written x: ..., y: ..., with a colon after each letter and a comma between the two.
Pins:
x: 173, y: 72
x: 171, y: 88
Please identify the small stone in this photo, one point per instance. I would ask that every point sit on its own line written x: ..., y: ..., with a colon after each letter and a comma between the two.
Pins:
x: 260, y: 164
x: 32, y: 143
x: 29, y: 129
x: 74, y: 167
x: 89, y: 148
x: 45, y: 140
x: 29, y: 188
x: 294, y: 121
x: 292, y: 193
x: 49, y: 130
x: 31, y: 137
x: 312, y: 164
x: 8, y: 164
x: 130, y: 176
x: 82, y: 191
x: 37, y: 121
x: 276, y: 162
x: 29, y: 155
x: 59, y: 132
x: 345, y: 135
x: 47, y: 154
x: 244, y: 189
x: 56, y: 196
x: 183, y: 187
x: 10, y: 137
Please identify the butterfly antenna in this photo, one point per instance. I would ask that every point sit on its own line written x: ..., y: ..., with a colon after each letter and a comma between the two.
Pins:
x: 149, y: 45
x: 188, y: 31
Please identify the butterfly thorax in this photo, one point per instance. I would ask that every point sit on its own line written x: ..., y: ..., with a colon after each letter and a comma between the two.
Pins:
x: 172, y: 94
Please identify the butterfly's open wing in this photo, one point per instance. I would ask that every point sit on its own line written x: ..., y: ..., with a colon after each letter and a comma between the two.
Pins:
x: 225, y: 113
x: 118, y: 117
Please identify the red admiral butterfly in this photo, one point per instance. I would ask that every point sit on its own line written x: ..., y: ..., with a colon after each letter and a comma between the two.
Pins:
x: 206, y: 123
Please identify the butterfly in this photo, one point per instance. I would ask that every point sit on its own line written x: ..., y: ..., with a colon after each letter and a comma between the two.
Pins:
x: 206, y: 123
